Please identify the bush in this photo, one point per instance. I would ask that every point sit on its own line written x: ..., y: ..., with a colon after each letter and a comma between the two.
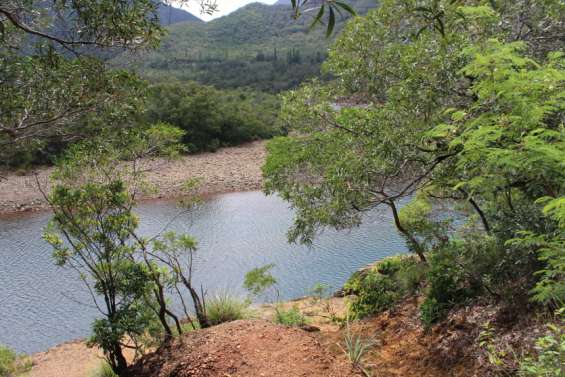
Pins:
x: 431, y: 311
x: 11, y: 363
x: 381, y: 287
x: 465, y: 269
x: 226, y: 308
x: 550, y: 360
x: 378, y: 293
x: 290, y: 317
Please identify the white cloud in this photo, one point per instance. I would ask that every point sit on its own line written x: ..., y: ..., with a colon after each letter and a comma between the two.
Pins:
x: 224, y: 7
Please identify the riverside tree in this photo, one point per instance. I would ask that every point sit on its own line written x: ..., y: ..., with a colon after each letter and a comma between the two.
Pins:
x: 94, y: 231
x: 461, y: 103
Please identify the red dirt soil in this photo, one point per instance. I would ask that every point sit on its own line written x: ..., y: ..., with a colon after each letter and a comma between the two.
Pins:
x: 244, y: 348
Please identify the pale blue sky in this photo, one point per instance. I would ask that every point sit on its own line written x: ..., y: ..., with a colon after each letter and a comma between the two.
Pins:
x: 224, y: 7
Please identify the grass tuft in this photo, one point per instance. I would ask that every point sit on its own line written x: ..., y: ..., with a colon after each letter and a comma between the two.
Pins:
x: 226, y: 308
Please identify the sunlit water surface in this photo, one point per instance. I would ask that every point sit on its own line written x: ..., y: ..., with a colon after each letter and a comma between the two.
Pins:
x: 42, y: 305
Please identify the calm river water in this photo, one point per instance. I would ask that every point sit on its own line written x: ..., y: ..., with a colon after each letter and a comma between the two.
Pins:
x: 42, y: 305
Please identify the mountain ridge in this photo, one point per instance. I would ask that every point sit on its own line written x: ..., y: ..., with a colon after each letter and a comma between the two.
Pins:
x: 169, y: 15
x: 259, y: 45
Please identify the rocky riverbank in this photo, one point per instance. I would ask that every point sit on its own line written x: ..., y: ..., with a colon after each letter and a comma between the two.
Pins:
x: 227, y: 170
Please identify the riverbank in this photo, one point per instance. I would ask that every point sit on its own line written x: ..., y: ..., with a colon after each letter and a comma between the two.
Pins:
x: 227, y: 170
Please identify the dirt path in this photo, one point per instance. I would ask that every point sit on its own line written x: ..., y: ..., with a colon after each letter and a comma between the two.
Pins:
x: 227, y: 170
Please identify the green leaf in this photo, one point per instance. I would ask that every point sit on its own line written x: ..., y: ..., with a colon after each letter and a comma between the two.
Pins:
x: 331, y: 23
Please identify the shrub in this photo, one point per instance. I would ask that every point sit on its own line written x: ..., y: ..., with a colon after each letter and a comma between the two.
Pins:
x: 378, y: 293
x: 465, y: 269
x: 320, y: 291
x: 355, y: 346
x: 381, y: 287
x: 410, y: 275
x: 226, y: 308
x: 550, y: 360
x: 431, y: 311
x: 213, y: 118
x: 290, y: 317
x: 11, y: 363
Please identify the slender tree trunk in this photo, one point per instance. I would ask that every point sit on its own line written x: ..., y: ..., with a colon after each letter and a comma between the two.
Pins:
x: 201, y: 315
x: 176, y: 319
x: 415, y: 245
x: 477, y: 209
x: 163, y: 311
x: 117, y: 360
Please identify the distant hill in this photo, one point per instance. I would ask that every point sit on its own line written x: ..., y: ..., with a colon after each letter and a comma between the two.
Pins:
x: 169, y: 15
x: 259, y: 46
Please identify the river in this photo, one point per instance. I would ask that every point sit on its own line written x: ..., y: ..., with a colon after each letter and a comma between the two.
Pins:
x: 42, y: 305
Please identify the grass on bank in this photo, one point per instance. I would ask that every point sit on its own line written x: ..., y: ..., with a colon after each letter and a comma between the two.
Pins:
x: 290, y: 317
x: 224, y: 307
x: 12, y: 364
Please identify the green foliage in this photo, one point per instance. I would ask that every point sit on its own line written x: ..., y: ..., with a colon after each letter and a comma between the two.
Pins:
x: 550, y: 360
x: 212, y: 118
x: 331, y: 7
x: 445, y: 104
x: 381, y: 287
x: 377, y: 293
x: 431, y: 311
x: 104, y: 370
x: 259, y: 279
x: 226, y: 308
x: 456, y: 274
x: 53, y: 79
x: 11, y: 364
x: 290, y: 317
x: 51, y: 101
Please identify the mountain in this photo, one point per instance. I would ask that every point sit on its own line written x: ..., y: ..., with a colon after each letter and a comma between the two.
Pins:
x: 259, y: 46
x: 169, y: 15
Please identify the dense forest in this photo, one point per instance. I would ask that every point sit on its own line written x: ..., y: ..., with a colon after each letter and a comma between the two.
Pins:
x: 448, y: 114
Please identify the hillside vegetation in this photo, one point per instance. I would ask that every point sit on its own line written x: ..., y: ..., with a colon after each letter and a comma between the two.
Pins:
x: 259, y: 46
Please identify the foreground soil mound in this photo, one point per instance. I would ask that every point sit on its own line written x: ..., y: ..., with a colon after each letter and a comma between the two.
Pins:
x: 244, y: 348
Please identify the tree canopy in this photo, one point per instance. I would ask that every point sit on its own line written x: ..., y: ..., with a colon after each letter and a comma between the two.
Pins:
x: 438, y: 102
x: 51, y: 65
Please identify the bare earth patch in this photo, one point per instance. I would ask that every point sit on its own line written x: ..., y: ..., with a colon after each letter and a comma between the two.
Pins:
x: 244, y: 348
x: 227, y: 170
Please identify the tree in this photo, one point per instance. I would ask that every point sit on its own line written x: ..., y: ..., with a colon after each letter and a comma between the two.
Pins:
x: 94, y: 231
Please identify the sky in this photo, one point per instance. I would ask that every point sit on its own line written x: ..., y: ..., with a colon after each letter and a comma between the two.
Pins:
x: 224, y: 7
